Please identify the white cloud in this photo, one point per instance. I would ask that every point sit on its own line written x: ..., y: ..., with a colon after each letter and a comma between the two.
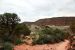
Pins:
x: 64, y: 13
x: 31, y: 10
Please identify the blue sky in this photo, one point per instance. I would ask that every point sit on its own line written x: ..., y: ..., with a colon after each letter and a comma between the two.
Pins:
x: 32, y: 10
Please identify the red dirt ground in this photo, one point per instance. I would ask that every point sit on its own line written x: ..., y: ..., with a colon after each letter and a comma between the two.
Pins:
x: 60, y: 46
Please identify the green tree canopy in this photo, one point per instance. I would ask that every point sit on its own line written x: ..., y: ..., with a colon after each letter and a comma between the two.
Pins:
x: 10, y: 27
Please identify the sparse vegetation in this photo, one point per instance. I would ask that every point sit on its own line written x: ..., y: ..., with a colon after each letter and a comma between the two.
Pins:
x: 8, y: 46
x: 49, y: 35
x: 72, y: 26
x: 11, y: 29
x: 18, y: 41
x: 22, y: 29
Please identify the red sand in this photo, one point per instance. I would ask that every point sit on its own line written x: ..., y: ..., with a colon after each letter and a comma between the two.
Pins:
x: 59, y: 46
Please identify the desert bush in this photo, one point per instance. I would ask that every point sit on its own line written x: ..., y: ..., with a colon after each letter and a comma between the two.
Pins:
x: 22, y: 29
x: 49, y: 35
x: 18, y: 41
x: 8, y: 46
x: 10, y: 28
x: 72, y: 26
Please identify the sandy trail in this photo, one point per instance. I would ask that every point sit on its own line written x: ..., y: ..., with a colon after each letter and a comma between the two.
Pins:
x: 59, y: 46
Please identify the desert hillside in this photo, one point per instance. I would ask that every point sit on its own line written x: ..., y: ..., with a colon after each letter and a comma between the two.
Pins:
x: 54, y: 21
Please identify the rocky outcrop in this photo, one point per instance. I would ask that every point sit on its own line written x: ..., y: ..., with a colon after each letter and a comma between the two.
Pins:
x: 54, y: 21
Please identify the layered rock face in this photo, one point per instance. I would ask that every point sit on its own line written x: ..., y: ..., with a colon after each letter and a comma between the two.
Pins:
x: 58, y: 21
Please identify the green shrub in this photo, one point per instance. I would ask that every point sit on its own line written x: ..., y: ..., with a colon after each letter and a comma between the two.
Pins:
x: 18, y: 41
x: 8, y: 46
x: 49, y: 35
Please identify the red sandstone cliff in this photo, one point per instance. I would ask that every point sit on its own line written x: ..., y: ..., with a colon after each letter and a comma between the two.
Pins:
x: 54, y: 21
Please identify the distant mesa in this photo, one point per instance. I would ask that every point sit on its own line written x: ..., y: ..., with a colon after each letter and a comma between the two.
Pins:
x: 58, y: 21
